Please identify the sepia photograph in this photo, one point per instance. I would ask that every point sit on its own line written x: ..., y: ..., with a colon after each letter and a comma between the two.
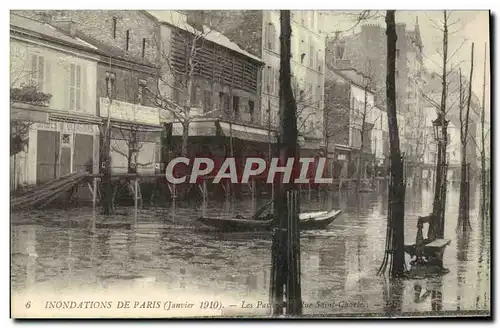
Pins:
x: 250, y: 164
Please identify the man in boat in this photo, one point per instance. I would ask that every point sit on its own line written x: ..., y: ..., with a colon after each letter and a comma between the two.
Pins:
x: 258, y: 216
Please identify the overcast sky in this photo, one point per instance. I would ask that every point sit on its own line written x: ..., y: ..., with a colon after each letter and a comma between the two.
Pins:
x: 471, y: 26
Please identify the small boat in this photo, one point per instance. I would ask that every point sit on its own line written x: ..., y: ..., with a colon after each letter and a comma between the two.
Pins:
x: 320, y: 221
x: 307, y: 221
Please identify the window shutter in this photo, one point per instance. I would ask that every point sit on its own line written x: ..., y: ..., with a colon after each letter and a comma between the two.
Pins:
x: 268, y: 78
x: 273, y: 38
x: 78, y: 86
x: 65, y: 85
x: 34, y: 69
x: 41, y: 68
x: 48, y: 77
x: 72, y: 78
x: 85, y: 104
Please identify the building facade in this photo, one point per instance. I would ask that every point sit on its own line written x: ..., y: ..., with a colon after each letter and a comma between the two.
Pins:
x: 221, y: 90
x: 366, y: 51
x: 127, y: 55
x: 258, y: 33
x: 353, y: 123
x: 46, y: 59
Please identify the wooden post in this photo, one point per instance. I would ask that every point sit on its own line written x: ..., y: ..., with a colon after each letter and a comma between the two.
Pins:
x: 94, y: 193
x: 253, y: 188
x: 136, y: 188
x: 205, y: 192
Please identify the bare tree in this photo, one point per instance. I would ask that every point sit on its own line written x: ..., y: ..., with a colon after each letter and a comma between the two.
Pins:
x: 463, y: 223
x: 181, y: 60
x: 395, y: 224
x: 107, y: 190
x: 484, y: 190
x: 133, y: 136
x: 360, y: 122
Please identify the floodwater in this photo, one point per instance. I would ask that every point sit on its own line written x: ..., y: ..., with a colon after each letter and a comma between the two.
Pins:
x: 167, y: 256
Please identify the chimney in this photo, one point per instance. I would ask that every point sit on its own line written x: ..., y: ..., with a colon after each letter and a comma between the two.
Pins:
x: 196, y: 18
x: 66, y: 24
x: 44, y: 17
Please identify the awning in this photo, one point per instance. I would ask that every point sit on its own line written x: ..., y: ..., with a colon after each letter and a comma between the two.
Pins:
x: 136, y: 127
x: 202, y: 128
x: 79, y: 118
x: 243, y: 132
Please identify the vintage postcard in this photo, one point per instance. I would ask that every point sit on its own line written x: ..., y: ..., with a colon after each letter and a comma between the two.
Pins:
x: 250, y: 163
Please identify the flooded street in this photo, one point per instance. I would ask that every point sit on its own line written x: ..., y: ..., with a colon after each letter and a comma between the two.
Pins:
x: 168, y: 255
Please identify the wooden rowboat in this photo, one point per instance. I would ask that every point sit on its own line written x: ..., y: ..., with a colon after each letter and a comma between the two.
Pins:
x: 307, y: 221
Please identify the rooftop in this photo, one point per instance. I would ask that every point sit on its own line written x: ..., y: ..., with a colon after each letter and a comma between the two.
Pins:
x: 80, y: 40
x: 46, y: 30
x: 178, y: 20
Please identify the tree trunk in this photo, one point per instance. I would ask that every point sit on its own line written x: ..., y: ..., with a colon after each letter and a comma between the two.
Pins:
x: 397, y: 190
x: 185, y: 137
x: 483, y: 154
x: 439, y: 205
x: 463, y: 223
x: 362, y: 145
x: 107, y: 186
x: 286, y: 244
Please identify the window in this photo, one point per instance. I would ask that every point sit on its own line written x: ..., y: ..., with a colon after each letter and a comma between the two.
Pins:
x: 270, y: 80
x: 177, y: 92
x: 110, y: 85
x: 318, y: 95
x: 251, y: 106
x: 302, y: 17
x: 397, y: 53
x: 318, y: 62
x: 127, y: 40
x: 65, y: 139
x: 270, y: 37
x: 143, y: 48
x: 236, y: 106
x: 196, y: 95
x: 276, y: 81
x: 75, y: 87
x: 113, y: 27
x: 37, y: 71
x: 224, y: 102
x: 140, y: 92
x: 311, y: 56
x: 397, y: 73
x: 207, y: 100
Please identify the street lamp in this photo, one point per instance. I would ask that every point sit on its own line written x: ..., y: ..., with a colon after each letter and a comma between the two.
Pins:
x: 438, y: 131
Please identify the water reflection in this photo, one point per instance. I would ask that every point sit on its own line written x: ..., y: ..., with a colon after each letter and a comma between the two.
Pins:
x: 166, y: 250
